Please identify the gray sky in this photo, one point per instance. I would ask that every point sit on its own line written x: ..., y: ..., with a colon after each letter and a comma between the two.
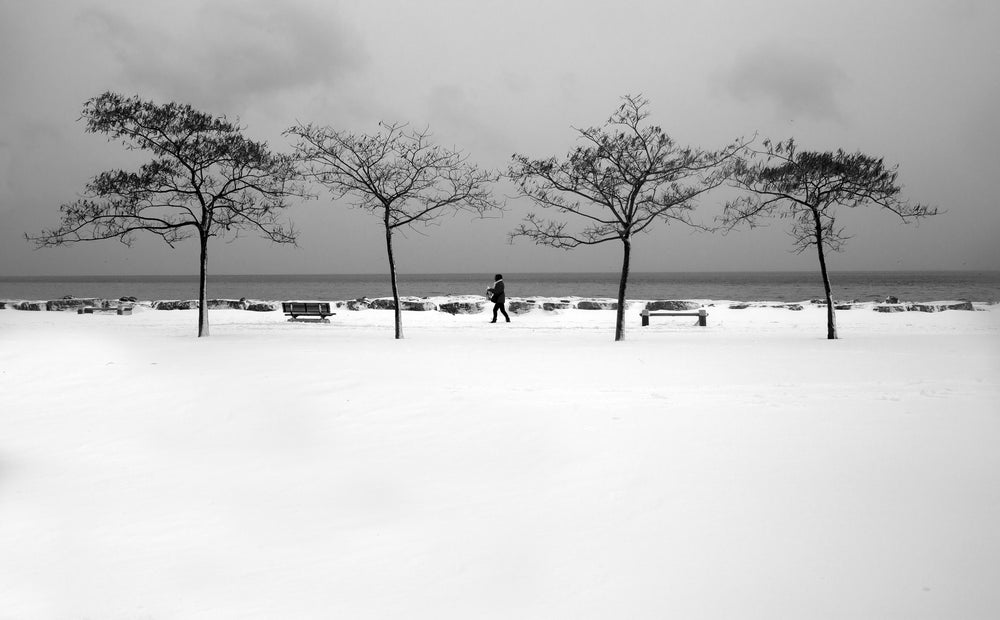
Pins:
x: 917, y: 82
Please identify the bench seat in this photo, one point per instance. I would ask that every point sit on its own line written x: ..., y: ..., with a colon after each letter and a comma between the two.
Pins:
x: 702, y: 315
x: 93, y: 310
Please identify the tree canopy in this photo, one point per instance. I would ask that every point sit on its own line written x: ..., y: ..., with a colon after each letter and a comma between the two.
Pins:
x: 205, y: 179
x: 624, y: 177
x: 806, y: 187
x: 398, y: 174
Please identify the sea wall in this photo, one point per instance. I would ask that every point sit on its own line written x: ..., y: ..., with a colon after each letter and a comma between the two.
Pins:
x: 473, y: 304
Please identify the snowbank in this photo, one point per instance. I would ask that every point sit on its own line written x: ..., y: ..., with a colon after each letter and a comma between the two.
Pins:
x: 535, y: 469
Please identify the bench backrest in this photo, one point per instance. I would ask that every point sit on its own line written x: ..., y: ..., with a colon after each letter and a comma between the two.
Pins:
x: 305, y: 307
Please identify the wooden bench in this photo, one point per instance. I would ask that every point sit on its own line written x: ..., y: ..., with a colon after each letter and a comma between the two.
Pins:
x: 93, y: 310
x: 314, y: 311
x: 701, y: 314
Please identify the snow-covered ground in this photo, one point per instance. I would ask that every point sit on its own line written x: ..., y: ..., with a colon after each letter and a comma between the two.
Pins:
x: 748, y: 469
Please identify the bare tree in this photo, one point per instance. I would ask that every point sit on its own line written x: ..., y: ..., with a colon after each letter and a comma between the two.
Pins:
x: 625, y: 178
x: 805, y: 187
x: 205, y: 178
x: 397, y: 174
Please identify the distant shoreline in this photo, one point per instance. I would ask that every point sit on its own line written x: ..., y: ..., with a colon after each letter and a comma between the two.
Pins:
x: 474, y: 304
x: 785, y: 286
x: 376, y: 274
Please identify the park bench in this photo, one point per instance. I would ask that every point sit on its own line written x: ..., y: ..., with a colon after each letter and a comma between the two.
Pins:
x: 313, y: 311
x: 701, y: 314
x: 93, y: 310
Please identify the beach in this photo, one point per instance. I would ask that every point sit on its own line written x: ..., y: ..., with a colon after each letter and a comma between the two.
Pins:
x: 746, y: 469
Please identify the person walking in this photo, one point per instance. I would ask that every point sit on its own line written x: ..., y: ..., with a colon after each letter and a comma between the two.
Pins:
x: 497, y: 296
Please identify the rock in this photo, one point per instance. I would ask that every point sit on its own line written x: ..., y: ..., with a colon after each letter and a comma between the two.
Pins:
x: 672, y: 305
x: 941, y: 306
x: 462, y: 307
x: 843, y: 306
x: 593, y: 304
x: 357, y: 304
x: 891, y: 308
x: 892, y: 299
x: 175, y: 304
x: 739, y: 306
x: 129, y: 299
x: 33, y: 306
x: 262, y: 306
x: 520, y: 307
x: 224, y: 304
x: 795, y: 307
x: 383, y: 303
x: 550, y: 306
x: 69, y: 303
x: 418, y: 305
x: 3, y: 305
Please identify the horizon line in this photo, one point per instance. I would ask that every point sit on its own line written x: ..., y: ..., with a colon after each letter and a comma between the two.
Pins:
x: 474, y: 273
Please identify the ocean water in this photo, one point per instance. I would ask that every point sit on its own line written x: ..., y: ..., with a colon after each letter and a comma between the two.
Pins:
x: 978, y: 286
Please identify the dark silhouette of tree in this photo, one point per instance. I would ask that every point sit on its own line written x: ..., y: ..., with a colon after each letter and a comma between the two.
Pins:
x: 206, y: 179
x: 397, y: 174
x: 805, y: 187
x: 625, y: 178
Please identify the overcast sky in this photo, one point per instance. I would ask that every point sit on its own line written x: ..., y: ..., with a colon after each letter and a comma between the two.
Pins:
x: 915, y: 81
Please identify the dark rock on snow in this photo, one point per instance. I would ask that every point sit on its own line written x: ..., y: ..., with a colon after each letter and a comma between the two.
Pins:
x: 891, y: 308
x: 672, y: 305
x: 939, y: 307
x: 593, y: 304
x: 462, y: 307
x: 520, y: 307
x: 175, y: 304
x: 262, y: 306
x: 70, y: 303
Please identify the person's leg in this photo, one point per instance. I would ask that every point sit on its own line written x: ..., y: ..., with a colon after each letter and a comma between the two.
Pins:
x: 504, y: 310
x: 496, y: 307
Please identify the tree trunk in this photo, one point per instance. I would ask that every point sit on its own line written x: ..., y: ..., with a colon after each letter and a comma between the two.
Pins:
x: 392, y: 275
x: 203, y: 287
x: 620, y: 316
x: 831, y: 316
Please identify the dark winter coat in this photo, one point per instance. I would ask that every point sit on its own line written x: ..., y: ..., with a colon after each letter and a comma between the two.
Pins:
x: 498, y: 295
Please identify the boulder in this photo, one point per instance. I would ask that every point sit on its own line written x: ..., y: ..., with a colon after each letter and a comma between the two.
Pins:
x: 262, y: 306
x: 33, y: 306
x: 128, y: 298
x: 672, y: 305
x: 739, y: 306
x: 386, y: 303
x: 520, y: 307
x: 941, y: 306
x: 843, y: 306
x: 462, y: 307
x: 594, y: 304
x: 891, y: 308
x: 225, y: 304
x: 795, y: 307
x: 357, y: 304
x: 892, y: 299
x: 418, y: 305
x: 3, y: 305
x: 175, y: 304
x: 550, y: 306
x: 70, y: 303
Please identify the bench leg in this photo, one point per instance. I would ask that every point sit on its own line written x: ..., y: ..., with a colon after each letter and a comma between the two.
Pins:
x: 703, y: 319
